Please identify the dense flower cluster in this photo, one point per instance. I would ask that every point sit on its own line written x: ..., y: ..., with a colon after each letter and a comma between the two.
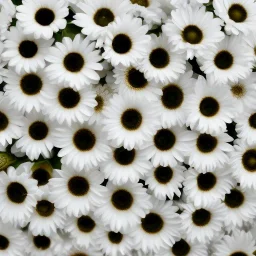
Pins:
x: 127, y: 127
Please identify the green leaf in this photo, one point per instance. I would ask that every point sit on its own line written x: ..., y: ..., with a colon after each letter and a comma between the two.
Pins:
x: 6, y: 160
x: 71, y: 31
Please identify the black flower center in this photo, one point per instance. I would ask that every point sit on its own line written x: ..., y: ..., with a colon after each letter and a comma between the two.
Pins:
x: 28, y: 49
x: 144, y: 3
x: 201, y: 217
x: 100, y: 103
x: 122, y: 199
x: 206, y: 143
x: 124, y: 156
x: 68, y: 98
x: 163, y: 174
x: 84, y: 140
x: 42, y: 176
x: 238, y: 90
x: 44, y: 16
x: 223, y: 60
x: 121, y: 44
x: 78, y: 186
x: 45, y: 208
x: 115, y: 238
x: 159, y: 58
x: 38, y: 130
x: 192, y: 34
x: 131, y: 119
x: 206, y: 181
x: 85, y: 224
x: 172, y: 96
x: 42, y: 242
x: 234, y: 199
x: 16, y: 192
x: 3, y: 121
x: 249, y: 160
x: 4, y: 243
x: 31, y: 84
x: 152, y: 223
x: 181, y: 248
x: 103, y: 17
x: 73, y: 62
x: 238, y: 254
x: 252, y: 120
x: 209, y: 107
x: 136, y: 79
x: 164, y: 139
x: 237, y: 13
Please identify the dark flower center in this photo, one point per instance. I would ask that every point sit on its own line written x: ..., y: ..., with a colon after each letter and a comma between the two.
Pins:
x: 42, y: 242
x: 45, y: 208
x: 252, y: 120
x: 234, y: 199
x: 152, y: 223
x: 136, y: 79
x: 79, y: 254
x: 223, y: 60
x: 42, y: 176
x: 78, y: 186
x: 172, y: 96
x: 3, y: 121
x: 206, y: 143
x: 31, y: 84
x: 159, y: 58
x: 239, y: 254
x: 144, y: 3
x: 249, y: 160
x: 206, y: 181
x: 38, y: 130
x: 84, y: 140
x: 122, y: 199
x: 28, y: 49
x: 131, y: 119
x: 201, y: 217
x: 164, y: 139
x: 85, y: 224
x: 115, y: 238
x: 209, y: 107
x: 192, y: 34
x: 73, y: 62
x: 68, y: 98
x: 181, y: 248
x: 238, y: 90
x: 16, y: 192
x: 4, y: 243
x: 163, y: 174
x: 124, y: 156
x: 44, y: 16
x: 103, y: 17
x: 100, y: 103
x: 237, y: 13
x: 121, y: 44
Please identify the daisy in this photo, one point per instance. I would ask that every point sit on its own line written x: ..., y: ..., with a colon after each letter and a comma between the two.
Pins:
x: 204, y: 188
x: 126, y: 41
x: 161, y: 63
x: 25, y: 91
x: 229, y: 61
x: 165, y: 181
x: 129, y: 122
x: 192, y: 29
x: 209, y: 152
x: 238, y: 15
x: 125, y: 165
x: 74, y: 62
x: 251, y: 41
x: 66, y: 105
x: 82, y: 145
x: 92, y: 251
x: 18, y: 196
x: 76, y: 192
x: 159, y: 229
x: 208, y: 108
x: 42, y: 18
x: 201, y: 224
x: 168, y: 145
x: 96, y: 17
x: 131, y: 82
x: 124, y: 206
x: 24, y: 52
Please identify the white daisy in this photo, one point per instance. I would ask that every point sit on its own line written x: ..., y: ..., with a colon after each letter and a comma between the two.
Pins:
x: 165, y: 181
x: 238, y: 15
x: 126, y: 41
x: 208, y: 108
x: 82, y: 145
x: 74, y: 62
x: 77, y: 192
x: 124, y: 206
x: 42, y: 18
x: 92, y: 251
x: 161, y: 63
x: 192, y: 29
x: 204, y: 188
x: 24, y: 52
x: 129, y: 122
x: 251, y: 41
x: 159, y: 229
